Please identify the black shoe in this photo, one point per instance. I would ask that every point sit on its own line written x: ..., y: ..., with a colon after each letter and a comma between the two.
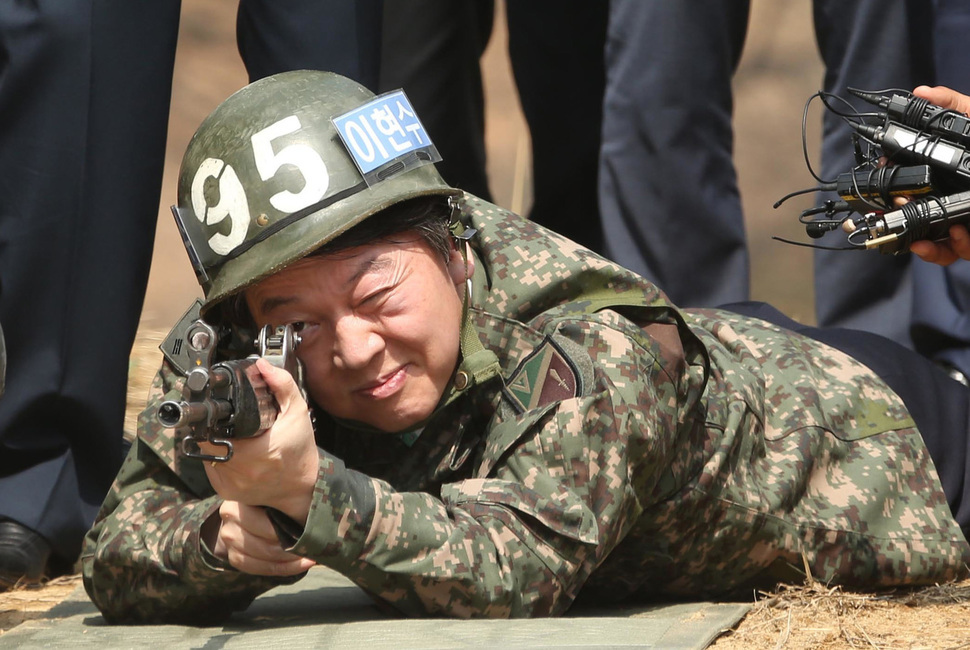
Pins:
x: 23, y: 555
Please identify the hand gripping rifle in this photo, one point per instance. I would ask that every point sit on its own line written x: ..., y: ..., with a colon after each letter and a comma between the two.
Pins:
x: 228, y: 399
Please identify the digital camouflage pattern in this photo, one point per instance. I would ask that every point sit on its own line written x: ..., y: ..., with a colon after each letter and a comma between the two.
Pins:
x: 625, y: 449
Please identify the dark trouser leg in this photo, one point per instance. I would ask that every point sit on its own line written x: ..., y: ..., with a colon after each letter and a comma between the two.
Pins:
x: 872, y: 45
x: 342, y: 36
x: 556, y: 50
x: 432, y: 49
x: 84, y: 100
x: 668, y: 189
x: 941, y: 304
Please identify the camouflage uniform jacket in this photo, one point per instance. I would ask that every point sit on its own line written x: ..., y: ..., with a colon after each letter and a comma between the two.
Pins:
x: 621, y: 448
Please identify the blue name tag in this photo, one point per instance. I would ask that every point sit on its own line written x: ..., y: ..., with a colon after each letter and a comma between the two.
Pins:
x: 382, y: 133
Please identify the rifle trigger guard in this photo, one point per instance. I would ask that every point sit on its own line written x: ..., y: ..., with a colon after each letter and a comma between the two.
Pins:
x: 190, y: 448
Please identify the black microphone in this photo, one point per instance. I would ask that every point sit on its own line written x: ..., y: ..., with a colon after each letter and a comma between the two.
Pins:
x: 920, y: 114
x: 902, y: 143
x: 817, y: 229
x: 929, y: 218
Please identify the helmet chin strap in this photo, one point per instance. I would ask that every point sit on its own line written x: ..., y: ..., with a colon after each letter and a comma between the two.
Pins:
x: 478, y: 364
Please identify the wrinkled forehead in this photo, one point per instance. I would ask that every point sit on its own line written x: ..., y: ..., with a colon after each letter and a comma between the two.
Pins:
x: 330, y: 273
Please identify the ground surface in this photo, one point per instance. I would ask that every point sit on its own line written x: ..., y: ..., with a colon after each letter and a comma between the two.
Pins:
x: 780, y: 69
x: 806, y: 617
x: 814, y: 616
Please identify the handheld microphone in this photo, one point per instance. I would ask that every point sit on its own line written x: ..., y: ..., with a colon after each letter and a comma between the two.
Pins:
x: 920, y: 114
x: 929, y: 218
x: 900, y: 142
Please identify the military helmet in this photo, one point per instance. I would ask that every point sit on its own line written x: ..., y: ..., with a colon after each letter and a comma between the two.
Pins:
x: 288, y: 163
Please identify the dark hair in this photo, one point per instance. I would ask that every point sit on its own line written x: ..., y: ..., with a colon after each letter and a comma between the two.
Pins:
x: 429, y: 217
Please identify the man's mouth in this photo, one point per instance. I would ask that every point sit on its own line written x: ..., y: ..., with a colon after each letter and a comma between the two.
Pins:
x: 385, y: 385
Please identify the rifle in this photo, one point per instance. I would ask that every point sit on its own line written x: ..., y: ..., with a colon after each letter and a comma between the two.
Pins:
x: 227, y: 400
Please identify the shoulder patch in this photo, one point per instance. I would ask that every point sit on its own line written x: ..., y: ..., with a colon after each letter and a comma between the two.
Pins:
x: 174, y: 345
x: 547, y: 375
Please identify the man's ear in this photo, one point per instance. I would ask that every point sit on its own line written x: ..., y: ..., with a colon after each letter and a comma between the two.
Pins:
x: 458, y: 268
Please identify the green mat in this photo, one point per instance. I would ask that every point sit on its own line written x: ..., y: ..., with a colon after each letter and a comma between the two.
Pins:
x: 325, y: 610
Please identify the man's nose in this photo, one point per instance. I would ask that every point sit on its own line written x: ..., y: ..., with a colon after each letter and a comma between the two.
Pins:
x: 356, y: 343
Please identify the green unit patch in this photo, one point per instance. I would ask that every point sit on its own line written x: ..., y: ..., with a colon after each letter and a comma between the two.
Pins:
x: 547, y: 375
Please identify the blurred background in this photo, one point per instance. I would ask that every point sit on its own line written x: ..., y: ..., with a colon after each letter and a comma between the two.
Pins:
x: 779, y: 70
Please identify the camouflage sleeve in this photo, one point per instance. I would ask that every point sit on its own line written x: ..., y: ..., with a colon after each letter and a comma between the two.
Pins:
x: 554, y: 495
x: 143, y: 560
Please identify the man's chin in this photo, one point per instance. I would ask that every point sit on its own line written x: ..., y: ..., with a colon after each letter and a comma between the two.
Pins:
x: 401, y: 423
x: 388, y: 417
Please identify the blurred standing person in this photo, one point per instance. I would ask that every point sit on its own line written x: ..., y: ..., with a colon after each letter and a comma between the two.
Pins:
x: 433, y: 50
x: 940, y: 320
x: 84, y: 102
x: 84, y: 117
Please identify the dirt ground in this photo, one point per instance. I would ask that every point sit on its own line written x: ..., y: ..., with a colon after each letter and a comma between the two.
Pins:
x: 814, y: 616
x: 778, y: 72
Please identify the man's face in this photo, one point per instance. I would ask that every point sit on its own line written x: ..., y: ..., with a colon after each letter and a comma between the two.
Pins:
x: 379, y: 324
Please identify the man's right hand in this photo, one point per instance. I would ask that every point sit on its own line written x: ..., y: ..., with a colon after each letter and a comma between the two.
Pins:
x: 279, y: 467
x: 945, y: 252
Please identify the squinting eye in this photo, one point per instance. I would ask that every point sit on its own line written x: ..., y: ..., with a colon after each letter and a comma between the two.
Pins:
x: 375, y: 296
